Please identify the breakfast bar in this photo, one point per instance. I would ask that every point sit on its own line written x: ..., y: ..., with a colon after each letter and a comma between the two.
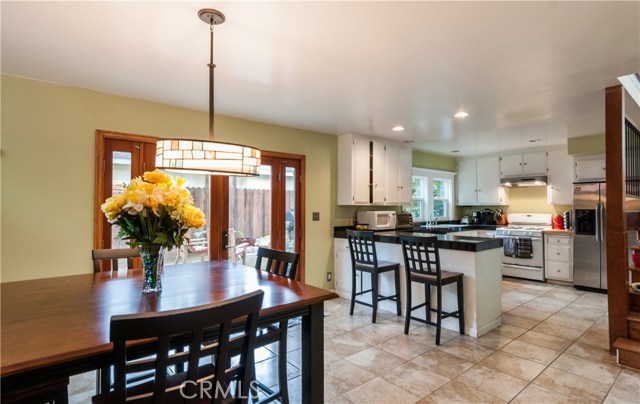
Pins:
x: 478, y: 258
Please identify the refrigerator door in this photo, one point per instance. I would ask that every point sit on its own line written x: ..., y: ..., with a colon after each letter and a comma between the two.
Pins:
x: 603, y: 233
x: 587, y: 245
x: 586, y: 262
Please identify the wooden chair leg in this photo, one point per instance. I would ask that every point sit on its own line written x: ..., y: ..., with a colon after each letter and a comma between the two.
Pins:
x: 407, y: 312
x: 374, y: 296
x: 282, y: 363
x: 439, y: 315
x: 427, y: 301
x: 353, y: 291
x: 398, y: 300
x: 461, y: 305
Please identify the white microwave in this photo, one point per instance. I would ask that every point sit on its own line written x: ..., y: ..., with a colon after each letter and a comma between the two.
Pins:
x: 378, y: 219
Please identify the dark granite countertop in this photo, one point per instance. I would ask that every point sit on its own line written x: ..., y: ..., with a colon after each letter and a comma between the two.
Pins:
x: 445, y: 241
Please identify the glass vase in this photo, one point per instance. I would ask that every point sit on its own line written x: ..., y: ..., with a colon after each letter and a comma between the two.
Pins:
x: 152, y: 261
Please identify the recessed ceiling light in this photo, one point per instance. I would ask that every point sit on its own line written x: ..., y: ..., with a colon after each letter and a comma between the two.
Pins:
x: 461, y: 114
x: 398, y: 128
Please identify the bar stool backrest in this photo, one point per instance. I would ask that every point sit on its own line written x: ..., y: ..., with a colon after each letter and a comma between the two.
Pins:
x: 421, y: 255
x: 362, y: 247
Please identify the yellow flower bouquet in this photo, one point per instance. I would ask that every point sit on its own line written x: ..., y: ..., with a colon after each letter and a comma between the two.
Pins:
x: 153, y: 213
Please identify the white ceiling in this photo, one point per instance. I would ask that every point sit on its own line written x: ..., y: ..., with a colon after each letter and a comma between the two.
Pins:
x: 523, y: 70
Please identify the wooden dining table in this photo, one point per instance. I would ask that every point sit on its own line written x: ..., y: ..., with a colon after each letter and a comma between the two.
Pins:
x: 59, y: 327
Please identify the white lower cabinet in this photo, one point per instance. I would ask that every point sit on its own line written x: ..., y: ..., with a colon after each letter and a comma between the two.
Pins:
x: 558, y: 257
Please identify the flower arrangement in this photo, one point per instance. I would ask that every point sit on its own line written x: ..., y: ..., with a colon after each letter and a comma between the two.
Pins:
x: 153, y: 210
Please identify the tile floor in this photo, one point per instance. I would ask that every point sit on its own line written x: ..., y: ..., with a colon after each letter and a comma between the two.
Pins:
x: 551, y: 347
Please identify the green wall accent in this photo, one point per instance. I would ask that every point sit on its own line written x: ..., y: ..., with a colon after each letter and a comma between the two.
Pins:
x: 433, y: 161
x: 47, y: 177
x: 586, y: 144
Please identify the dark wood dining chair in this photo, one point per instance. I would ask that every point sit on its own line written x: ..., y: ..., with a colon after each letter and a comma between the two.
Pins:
x: 285, y: 264
x: 52, y: 391
x: 226, y: 379
x: 364, y: 259
x: 422, y: 265
x: 113, y: 255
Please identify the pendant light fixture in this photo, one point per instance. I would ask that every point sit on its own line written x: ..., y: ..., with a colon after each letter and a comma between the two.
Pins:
x: 207, y: 156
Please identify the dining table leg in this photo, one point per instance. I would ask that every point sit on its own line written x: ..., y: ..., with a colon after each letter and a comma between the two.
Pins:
x: 313, y: 355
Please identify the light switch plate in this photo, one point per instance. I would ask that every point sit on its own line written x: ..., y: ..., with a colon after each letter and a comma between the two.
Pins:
x: 316, y: 216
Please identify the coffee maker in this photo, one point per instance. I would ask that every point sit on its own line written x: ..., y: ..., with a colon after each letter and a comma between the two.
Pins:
x: 487, y: 216
x: 475, y: 217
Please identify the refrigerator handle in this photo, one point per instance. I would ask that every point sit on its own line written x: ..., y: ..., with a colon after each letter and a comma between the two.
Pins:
x: 602, y: 222
x: 598, y: 222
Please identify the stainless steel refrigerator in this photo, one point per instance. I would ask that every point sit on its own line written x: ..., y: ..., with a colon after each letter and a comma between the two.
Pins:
x: 589, y: 246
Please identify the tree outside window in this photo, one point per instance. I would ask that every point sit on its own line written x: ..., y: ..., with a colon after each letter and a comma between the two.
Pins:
x: 431, y: 195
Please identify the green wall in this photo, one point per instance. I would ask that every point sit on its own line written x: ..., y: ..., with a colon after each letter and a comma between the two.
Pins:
x: 47, y: 172
x: 586, y: 144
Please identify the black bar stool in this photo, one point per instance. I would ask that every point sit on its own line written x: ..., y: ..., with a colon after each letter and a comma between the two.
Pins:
x: 364, y: 259
x: 422, y: 265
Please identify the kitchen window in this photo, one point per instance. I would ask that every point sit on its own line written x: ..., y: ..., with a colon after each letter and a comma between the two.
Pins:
x: 432, y: 195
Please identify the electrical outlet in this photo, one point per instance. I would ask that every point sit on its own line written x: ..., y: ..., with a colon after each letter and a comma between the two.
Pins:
x: 316, y: 216
x: 328, y: 276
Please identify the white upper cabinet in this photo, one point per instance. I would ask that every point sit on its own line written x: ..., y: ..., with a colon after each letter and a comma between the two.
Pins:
x: 560, y: 181
x: 371, y: 171
x: 515, y: 165
x: 479, y: 182
x: 590, y: 168
x: 398, y: 170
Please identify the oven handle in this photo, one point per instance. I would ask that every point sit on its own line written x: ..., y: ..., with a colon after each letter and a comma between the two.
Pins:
x: 531, y: 268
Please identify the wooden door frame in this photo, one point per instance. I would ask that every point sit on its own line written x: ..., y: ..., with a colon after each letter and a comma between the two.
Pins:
x: 101, y: 137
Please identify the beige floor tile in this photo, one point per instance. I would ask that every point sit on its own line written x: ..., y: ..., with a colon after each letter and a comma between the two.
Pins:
x: 545, y: 340
x: 509, y: 331
x: 374, y: 334
x: 530, y: 351
x: 546, y: 304
x: 597, y: 371
x: 598, y: 300
x: 576, y: 310
x: 563, y: 294
x: 537, y: 394
x: 427, y: 334
x: 330, y: 358
x: 342, y: 376
x: 267, y: 371
x: 626, y: 388
x: 345, y: 323
x: 577, y: 387
x: 531, y: 313
x: 490, y: 340
x: 346, y: 344
x: 513, y: 365
x: 519, y: 321
x: 379, y: 391
x: 591, y: 352
x: 571, y: 322
x: 405, y: 347
x: 415, y: 379
x: 466, y: 350
x: 442, y: 363
x: 375, y: 360
x: 595, y: 337
x: 456, y: 392
x: 492, y: 382
x: 337, y: 400
x: 558, y: 330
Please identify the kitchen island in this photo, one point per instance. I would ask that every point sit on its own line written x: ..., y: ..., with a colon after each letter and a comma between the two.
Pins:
x: 478, y: 258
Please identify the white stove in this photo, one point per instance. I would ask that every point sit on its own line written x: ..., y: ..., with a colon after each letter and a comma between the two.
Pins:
x: 522, y: 254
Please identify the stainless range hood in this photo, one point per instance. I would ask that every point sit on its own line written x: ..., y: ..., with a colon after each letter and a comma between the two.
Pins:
x: 516, y: 182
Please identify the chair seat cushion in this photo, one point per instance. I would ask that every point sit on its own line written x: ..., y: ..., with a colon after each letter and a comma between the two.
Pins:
x: 446, y: 277
x: 383, y: 266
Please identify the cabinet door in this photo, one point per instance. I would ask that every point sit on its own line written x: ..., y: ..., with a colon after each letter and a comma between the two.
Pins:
x: 379, y: 172
x: 489, y: 188
x: 392, y: 175
x: 467, y: 189
x: 511, y: 165
x: 560, y: 188
x: 405, y: 165
x: 360, y: 170
x: 534, y: 163
x: 342, y: 267
x: 588, y: 170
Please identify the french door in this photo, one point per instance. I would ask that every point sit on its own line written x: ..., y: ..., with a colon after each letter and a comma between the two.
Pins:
x: 266, y: 211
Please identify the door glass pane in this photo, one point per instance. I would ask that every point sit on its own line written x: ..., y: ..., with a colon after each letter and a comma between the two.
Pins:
x: 198, y: 247
x: 249, y: 216
x: 121, y: 177
x: 290, y: 209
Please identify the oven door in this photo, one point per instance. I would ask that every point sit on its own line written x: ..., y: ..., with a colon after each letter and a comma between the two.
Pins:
x: 527, y: 268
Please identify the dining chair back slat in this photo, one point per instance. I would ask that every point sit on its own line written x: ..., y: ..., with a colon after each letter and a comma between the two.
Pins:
x: 278, y: 262
x: 162, y: 332
x: 113, y: 255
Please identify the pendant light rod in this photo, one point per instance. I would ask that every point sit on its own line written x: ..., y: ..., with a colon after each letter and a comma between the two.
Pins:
x: 208, y: 156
